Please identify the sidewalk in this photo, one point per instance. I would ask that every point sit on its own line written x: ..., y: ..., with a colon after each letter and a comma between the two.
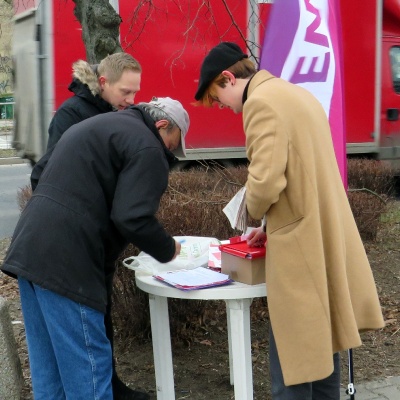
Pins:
x: 5, y: 144
x: 13, y: 160
x: 6, y: 134
x: 383, y: 389
x: 5, y: 141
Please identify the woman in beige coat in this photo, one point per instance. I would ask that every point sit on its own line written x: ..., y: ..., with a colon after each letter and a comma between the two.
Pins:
x: 321, y: 292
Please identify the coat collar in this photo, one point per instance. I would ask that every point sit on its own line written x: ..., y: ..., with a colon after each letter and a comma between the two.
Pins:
x: 87, y: 74
x: 86, y: 85
x: 259, y: 78
x: 151, y: 125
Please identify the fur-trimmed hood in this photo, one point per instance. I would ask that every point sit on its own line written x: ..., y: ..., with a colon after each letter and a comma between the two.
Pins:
x: 86, y: 74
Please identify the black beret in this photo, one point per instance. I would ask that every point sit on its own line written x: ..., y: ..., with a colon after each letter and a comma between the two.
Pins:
x: 221, y: 57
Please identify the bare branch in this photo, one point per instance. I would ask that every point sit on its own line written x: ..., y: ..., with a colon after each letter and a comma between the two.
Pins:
x: 370, y: 192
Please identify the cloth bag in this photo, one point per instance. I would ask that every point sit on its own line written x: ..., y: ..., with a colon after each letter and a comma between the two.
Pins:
x: 194, y: 253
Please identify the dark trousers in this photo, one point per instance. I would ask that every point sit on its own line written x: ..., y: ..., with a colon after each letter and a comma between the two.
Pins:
x: 325, y: 389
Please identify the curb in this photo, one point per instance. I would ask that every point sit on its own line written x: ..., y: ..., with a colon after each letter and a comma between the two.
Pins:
x: 13, y: 160
x: 11, y: 376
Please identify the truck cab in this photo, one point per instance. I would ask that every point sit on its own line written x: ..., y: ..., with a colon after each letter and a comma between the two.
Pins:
x: 390, y: 98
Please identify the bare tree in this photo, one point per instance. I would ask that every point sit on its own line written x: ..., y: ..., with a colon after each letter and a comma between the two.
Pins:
x: 6, y: 31
x: 146, y: 10
x: 100, y: 28
x: 100, y: 25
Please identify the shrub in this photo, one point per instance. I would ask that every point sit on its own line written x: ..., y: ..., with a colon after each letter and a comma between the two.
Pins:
x: 376, y: 176
x: 23, y: 196
x: 367, y: 209
x: 370, y: 183
x: 192, y: 206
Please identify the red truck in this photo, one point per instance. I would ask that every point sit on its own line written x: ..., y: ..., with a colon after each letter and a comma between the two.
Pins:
x: 170, y: 40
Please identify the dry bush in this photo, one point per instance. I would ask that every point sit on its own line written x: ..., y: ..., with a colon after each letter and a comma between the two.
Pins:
x: 370, y: 183
x: 373, y: 175
x: 192, y: 206
x: 131, y: 315
x: 23, y: 196
x: 367, y: 210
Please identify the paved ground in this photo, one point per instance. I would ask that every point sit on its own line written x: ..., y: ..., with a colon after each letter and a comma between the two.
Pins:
x: 5, y: 133
x: 5, y: 140
x: 383, y: 389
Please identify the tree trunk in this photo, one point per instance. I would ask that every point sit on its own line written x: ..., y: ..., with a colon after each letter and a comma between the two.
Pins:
x: 100, y: 28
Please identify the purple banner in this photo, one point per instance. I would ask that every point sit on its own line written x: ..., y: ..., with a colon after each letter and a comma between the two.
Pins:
x: 301, y: 45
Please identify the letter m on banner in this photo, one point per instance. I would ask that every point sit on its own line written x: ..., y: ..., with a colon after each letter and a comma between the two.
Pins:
x: 302, y: 46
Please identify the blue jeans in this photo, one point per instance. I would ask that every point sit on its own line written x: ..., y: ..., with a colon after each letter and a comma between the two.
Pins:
x: 325, y: 389
x: 69, y: 354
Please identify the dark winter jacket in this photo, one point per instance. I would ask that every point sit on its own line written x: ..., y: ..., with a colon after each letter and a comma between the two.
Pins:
x: 100, y: 190
x: 85, y: 103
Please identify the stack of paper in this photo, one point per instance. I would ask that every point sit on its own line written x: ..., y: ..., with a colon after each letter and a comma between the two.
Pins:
x: 214, y: 255
x: 189, y: 279
x: 236, y: 210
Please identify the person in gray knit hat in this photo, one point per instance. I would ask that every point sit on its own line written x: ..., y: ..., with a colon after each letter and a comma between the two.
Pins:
x: 100, y: 190
x: 165, y: 107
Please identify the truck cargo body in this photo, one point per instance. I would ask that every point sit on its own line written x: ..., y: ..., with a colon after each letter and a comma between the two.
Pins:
x: 170, y: 40
x: 371, y: 39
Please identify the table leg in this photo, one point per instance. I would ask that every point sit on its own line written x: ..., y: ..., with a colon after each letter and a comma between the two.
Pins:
x: 162, y: 351
x: 228, y: 319
x: 239, y: 337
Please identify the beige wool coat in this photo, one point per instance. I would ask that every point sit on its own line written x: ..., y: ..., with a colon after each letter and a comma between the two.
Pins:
x: 320, y: 287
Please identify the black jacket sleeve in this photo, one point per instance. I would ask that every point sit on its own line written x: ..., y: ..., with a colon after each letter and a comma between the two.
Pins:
x: 39, y: 167
x: 63, y: 119
x: 140, y: 186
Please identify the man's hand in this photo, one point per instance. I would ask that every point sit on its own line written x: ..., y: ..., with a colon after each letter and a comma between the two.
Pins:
x: 257, y: 237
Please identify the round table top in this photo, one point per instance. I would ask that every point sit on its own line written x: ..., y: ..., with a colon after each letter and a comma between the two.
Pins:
x: 234, y: 290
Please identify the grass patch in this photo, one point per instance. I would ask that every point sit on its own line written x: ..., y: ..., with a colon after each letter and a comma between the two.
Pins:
x: 391, y: 216
x: 6, y: 153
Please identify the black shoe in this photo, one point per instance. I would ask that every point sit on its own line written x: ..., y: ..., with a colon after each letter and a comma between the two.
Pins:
x: 123, y: 392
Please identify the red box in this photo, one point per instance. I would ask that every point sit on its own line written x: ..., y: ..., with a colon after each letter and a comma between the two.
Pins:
x: 243, y: 263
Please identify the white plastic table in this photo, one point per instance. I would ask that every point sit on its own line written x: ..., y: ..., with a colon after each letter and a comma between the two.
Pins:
x: 238, y: 298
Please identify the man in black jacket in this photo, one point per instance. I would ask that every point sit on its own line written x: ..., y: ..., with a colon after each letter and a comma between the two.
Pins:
x: 110, y: 85
x: 100, y: 190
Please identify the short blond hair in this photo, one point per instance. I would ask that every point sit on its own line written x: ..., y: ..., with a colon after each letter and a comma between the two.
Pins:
x: 115, y: 64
